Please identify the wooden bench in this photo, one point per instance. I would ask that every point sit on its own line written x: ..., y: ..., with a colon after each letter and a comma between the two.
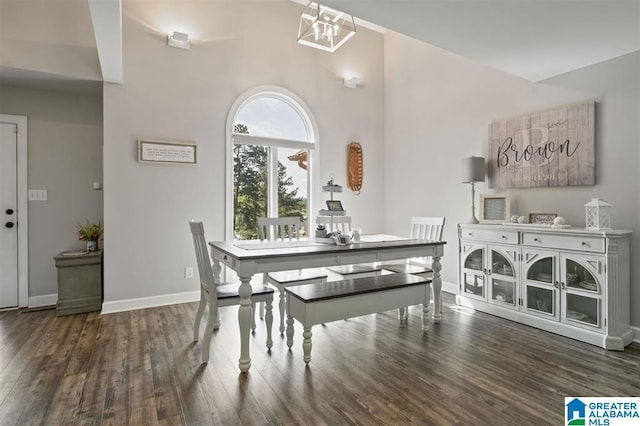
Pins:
x: 314, y: 304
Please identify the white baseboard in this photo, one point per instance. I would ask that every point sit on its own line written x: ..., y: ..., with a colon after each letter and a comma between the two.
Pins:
x: 450, y: 287
x: 149, y: 302
x: 636, y: 334
x: 191, y: 296
x: 45, y: 300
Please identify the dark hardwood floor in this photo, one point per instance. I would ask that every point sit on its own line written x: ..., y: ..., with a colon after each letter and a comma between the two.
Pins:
x: 141, y: 367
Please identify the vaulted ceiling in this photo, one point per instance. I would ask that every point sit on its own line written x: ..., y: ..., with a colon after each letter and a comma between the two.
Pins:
x: 74, y: 45
x: 533, y: 39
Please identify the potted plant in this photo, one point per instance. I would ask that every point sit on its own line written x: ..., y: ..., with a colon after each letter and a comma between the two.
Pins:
x: 91, y: 233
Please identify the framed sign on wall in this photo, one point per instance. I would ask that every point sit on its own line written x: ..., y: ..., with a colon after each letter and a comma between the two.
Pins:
x: 549, y: 148
x: 150, y: 151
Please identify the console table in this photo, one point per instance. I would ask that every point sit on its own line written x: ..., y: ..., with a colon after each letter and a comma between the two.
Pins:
x: 573, y: 282
x: 79, y: 283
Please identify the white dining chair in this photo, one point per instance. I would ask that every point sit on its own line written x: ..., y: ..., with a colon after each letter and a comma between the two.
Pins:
x: 286, y: 229
x: 335, y: 223
x: 220, y: 295
x: 423, y: 228
x: 343, y: 224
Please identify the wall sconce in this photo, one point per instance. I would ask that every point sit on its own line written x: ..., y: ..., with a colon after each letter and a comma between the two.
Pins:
x: 178, y: 39
x: 352, y: 82
x: 472, y: 172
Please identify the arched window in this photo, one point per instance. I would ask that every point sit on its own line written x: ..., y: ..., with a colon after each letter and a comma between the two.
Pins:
x: 271, y: 147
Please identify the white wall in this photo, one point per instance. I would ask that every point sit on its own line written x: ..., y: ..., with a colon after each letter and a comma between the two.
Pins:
x: 51, y: 37
x: 437, y: 110
x: 65, y: 158
x: 171, y: 93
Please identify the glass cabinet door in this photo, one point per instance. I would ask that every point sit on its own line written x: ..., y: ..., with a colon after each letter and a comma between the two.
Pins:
x: 502, y: 276
x: 541, y: 293
x: 581, y: 280
x: 472, y: 271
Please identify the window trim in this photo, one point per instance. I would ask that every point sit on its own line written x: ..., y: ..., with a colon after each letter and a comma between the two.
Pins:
x: 312, y: 145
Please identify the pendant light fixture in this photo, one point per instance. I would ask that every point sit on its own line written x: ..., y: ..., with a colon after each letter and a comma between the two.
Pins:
x: 325, y: 28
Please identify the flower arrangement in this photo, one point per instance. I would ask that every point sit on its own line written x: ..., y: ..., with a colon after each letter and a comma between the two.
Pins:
x: 90, y: 231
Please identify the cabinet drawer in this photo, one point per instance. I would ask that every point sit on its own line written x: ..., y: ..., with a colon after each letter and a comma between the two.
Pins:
x: 592, y: 244
x: 489, y: 235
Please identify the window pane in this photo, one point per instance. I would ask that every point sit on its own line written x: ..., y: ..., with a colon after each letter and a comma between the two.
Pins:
x: 272, y: 117
x: 292, y: 183
x: 249, y: 189
x: 270, y: 180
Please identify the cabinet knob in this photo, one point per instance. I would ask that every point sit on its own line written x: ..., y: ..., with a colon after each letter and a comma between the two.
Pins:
x: 584, y: 243
x: 555, y: 284
x: 9, y: 211
x: 504, y: 237
x: 564, y: 286
x: 9, y: 225
x: 536, y: 240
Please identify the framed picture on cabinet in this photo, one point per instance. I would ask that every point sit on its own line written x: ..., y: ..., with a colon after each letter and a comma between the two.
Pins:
x: 494, y: 208
x: 542, y: 218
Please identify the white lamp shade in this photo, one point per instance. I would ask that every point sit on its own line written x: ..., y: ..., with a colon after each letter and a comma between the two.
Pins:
x: 472, y: 169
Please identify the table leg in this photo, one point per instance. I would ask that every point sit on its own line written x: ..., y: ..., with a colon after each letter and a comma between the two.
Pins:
x: 437, y: 287
x: 268, y: 318
x: 289, y: 331
x: 306, y: 344
x: 425, y: 308
x: 244, y: 319
x: 281, y: 309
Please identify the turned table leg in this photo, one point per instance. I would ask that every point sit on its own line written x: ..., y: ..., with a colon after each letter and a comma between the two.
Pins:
x: 289, y: 331
x: 425, y: 308
x: 306, y: 344
x: 437, y: 287
x: 245, y: 314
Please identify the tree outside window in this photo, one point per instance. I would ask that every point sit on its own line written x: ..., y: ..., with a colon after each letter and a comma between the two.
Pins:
x: 250, y: 187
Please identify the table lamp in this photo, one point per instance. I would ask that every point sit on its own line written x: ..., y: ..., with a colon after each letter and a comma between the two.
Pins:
x: 472, y: 172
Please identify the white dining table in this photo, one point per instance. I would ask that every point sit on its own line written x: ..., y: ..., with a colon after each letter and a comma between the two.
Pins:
x: 250, y: 257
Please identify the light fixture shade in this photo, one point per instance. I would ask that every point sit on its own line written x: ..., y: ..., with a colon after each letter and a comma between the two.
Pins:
x: 472, y: 169
x: 178, y: 39
x: 598, y: 214
x: 352, y: 82
x: 325, y: 28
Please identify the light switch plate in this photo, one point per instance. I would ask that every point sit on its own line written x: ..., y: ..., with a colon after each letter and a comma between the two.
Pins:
x: 37, y: 195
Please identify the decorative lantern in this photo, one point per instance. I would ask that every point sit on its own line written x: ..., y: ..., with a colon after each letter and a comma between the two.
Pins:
x: 598, y: 214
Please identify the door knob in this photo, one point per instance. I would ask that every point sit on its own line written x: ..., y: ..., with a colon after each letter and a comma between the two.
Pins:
x: 9, y: 224
x: 9, y: 211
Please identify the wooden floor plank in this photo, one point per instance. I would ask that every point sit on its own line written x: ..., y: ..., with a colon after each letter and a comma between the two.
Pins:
x: 141, y: 367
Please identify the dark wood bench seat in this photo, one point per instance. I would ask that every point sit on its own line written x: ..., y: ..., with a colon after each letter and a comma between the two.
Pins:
x: 312, y: 304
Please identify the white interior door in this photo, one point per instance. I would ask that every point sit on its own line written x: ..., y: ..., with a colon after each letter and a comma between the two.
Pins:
x: 8, y: 215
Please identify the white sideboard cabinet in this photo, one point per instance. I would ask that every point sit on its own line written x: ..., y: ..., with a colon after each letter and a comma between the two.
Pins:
x: 573, y: 282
